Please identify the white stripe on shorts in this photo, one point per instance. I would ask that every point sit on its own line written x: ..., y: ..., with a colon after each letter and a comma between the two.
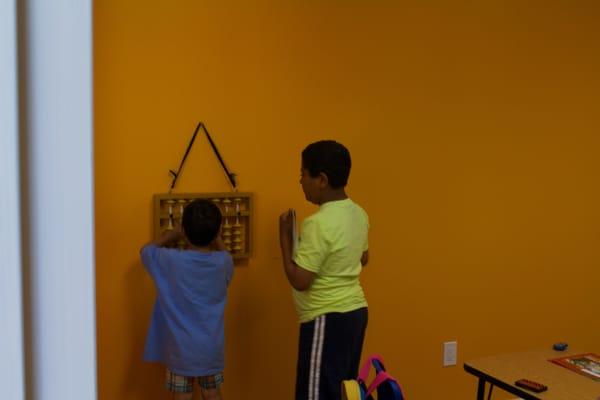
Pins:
x: 315, y: 358
x: 319, y: 357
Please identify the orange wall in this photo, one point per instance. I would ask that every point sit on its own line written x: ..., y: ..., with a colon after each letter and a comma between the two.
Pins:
x: 474, y: 135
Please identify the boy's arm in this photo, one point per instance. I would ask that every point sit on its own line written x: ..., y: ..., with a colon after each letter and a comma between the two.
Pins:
x: 299, y: 278
x: 166, y: 238
x: 218, y: 243
x: 365, y: 258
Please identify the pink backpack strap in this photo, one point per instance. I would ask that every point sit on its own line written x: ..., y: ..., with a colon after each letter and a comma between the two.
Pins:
x: 379, y: 379
x: 364, y: 371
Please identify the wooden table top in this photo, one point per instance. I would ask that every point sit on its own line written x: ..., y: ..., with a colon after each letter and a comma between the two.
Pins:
x: 563, y: 384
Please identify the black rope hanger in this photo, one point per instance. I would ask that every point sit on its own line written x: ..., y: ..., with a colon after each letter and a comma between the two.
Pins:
x: 230, y: 175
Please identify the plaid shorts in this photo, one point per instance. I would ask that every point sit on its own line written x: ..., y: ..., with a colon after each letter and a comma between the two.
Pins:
x: 185, y: 384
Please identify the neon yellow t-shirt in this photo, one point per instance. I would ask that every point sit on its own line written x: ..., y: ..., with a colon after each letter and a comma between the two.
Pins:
x: 330, y: 244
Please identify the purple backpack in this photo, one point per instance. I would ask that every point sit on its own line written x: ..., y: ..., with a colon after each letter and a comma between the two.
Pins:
x: 386, y: 386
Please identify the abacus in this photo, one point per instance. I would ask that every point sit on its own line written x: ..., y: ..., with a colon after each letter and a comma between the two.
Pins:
x: 235, y: 207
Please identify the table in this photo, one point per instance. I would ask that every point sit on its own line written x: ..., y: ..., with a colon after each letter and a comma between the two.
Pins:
x: 503, y: 370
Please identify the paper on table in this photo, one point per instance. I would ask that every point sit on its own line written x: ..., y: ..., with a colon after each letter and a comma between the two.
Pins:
x: 587, y: 364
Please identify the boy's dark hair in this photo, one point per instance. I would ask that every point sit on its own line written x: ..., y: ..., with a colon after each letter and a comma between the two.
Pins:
x: 330, y: 158
x: 201, y: 222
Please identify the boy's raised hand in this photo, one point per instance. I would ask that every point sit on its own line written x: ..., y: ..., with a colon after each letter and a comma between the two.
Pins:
x: 218, y: 243
x: 285, y: 230
x: 167, y: 237
x: 286, y: 220
x: 299, y: 278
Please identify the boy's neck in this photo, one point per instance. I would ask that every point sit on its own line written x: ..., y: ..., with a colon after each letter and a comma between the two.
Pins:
x: 201, y: 249
x: 333, y: 195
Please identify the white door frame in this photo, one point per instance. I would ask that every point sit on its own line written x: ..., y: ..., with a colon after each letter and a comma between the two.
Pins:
x: 11, y: 307
x: 54, y: 178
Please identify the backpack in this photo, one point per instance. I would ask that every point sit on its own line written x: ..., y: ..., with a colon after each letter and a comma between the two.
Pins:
x: 384, y: 384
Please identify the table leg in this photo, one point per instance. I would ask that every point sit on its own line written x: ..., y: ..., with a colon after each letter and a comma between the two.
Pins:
x: 481, y: 389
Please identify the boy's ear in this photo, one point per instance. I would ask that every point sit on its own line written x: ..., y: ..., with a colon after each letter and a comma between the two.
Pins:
x: 323, y: 180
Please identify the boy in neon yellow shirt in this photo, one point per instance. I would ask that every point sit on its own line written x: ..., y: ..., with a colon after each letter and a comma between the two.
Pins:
x: 324, y: 273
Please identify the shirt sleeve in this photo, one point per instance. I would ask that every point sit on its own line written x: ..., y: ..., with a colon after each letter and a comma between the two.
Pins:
x: 150, y: 255
x: 228, y: 267
x: 366, y: 242
x: 312, y: 246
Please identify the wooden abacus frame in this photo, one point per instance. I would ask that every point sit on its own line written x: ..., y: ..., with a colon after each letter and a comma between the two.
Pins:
x: 246, y: 213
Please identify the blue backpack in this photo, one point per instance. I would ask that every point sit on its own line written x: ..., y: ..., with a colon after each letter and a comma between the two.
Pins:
x: 386, y: 386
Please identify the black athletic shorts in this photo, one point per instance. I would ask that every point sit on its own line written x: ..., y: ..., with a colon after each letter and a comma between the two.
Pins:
x: 329, y: 352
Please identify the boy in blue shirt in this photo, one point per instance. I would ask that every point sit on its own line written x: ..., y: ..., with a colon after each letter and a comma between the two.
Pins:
x: 324, y: 271
x: 187, y: 328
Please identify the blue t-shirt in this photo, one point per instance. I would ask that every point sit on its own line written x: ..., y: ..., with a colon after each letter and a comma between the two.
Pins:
x: 187, y: 328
